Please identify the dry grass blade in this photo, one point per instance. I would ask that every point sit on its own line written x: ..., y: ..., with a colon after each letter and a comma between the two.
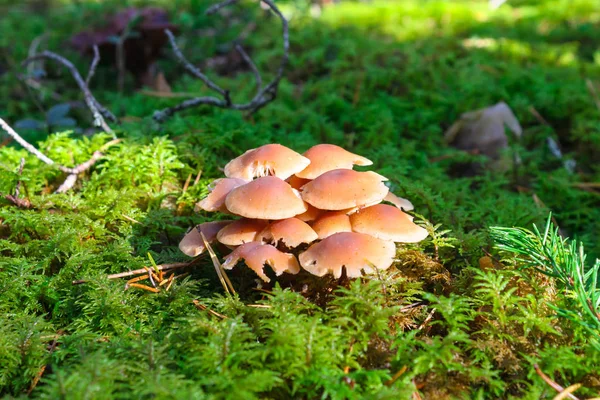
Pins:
x: 148, y: 288
x: 563, y: 395
x: 396, y: 376
x: 218, y: 267
x: 202, y: 307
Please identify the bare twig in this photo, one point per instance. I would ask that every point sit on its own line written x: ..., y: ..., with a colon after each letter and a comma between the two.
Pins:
x: 73, y: 172
x: 162, y: 267
x: 263, y: 95
x: 194, y: 70
x: 97, y: 110
x: 551, y: 383
x: 397, y: 375
x: 251, y: 64
x: 213, y: 9
x: 24, y: 143
x: 93, y: 66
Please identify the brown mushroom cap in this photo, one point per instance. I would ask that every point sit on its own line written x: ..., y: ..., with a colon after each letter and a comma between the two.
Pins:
x: 256, y: 255
x: 331, y: 222
x: 291, y: 231
x: 327, y: 157
x: 219, y: 189
x: 270, y: 159
x: 311, y: 214
x: 265, y: 198
x: 241, y: 231
x: 192, y: 243
x: 344, y: 188
x: 355, y: 251
x: 296, y: 182
x: 399, y: 202
x: 387, y: 223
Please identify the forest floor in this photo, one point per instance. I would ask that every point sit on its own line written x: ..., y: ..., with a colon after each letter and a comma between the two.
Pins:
x: 455, y: 317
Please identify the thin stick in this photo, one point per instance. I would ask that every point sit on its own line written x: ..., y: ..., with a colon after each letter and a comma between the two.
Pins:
x: 218, y: 267
x: 396, y: 376
x: 24, y: 143
x: 263, y: 96
x: 93, y: 66
x: 73, y: 172
x: 90, y: 100
x: 252, y: 66
x: 187, y: 183
x: 202, y: 307
x: 563, y: 395
x: 162, y: 267
x: 148, y: 288
x: 551, y: 383
x: 427, y: 319
x: 197, y: 177
x: 191, y: 68
x: 258, y: 305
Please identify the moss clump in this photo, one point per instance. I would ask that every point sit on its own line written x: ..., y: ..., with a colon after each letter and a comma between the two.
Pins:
x: 384, y: 80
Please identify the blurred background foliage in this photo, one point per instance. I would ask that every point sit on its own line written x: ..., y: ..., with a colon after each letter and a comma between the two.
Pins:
x: 384, y: 79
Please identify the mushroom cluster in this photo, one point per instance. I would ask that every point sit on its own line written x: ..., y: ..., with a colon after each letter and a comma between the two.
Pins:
x: 309, y: 211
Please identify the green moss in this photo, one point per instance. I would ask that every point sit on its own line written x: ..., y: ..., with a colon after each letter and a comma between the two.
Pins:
x: 383, y: 79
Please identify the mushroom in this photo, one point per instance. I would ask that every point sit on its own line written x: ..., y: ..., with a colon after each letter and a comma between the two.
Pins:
x: 310, y: 214
x: 327, y: 157
x: 219, y: 189
x: 332, y: 222
x: 387, y: 223
x: 296, y: 182
x: 241, y: 231
x: 399, y: 202
x: 292, y: 232
x: 344, y: 188
x: 256, y: 255
x: 265, y: 198
x: 192, y: 243
x: 270, y: 159
x: 354, y: 251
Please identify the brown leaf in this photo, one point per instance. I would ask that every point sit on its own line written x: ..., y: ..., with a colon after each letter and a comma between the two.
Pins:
x: 483, y: 130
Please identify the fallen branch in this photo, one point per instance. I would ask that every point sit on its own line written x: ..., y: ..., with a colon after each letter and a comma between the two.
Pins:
x: 73, y: 172
x: 98, y: 111
x: 263, y: 95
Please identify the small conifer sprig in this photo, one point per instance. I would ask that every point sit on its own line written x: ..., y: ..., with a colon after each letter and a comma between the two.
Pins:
x: 563, y: 260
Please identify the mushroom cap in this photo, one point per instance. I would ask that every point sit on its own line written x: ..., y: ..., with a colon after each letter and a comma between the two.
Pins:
x: 219, y: 189
x: 331, y: 222
x: 327, y: 157
x: 344, y: 188
x: 241, y: 231
x: 192, y: 244
x: 256, y: 255
x: 296, y: 182
x: 355, y: 251
x: 265, y: 198
x: 291, y: 231
x: 387, y: 223
x: 399, y: 202
x: 270, y: 159
x: 310, y: 214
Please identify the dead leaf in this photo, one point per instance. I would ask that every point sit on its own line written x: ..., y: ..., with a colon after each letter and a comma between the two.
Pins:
x: 483, y: 130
